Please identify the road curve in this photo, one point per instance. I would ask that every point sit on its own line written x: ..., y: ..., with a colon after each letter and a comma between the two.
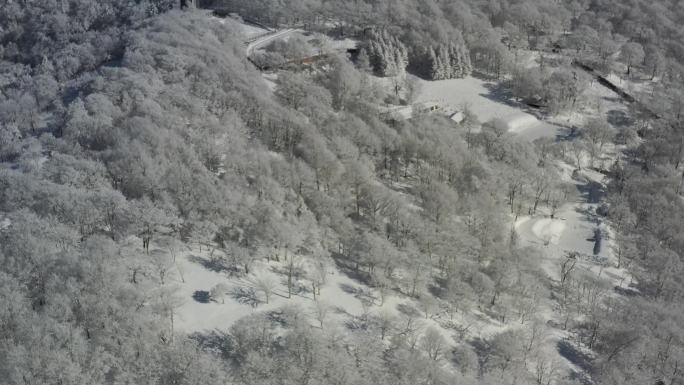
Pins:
x: 265, y: 39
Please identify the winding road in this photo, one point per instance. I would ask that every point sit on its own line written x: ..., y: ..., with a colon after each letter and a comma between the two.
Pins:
x: 262, y: 40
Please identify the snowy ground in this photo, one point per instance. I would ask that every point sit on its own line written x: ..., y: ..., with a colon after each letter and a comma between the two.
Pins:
x: 488, y: 101
x: 572, y: 230
x: 637, y: 82
x: 485, y: 99
x: 347, y: 299
x: 199, y: 316
x: 247, y: 30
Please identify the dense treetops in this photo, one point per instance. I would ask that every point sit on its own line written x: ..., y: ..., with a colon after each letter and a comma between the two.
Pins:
x: 170, y: 138
x: 121, y: 123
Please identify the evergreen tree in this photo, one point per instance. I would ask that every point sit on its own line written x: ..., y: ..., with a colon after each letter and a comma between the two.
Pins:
x: 447, y: 62
x: 432, y: 67
x: 363, y: 61
x: 455, y: 65
x: 388, y: 56
x: 464, y: 60
x: 443, y: 62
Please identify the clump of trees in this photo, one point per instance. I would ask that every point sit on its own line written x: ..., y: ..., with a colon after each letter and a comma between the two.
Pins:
x: 121, y: 128
x: 560, y: 90
x: 447, y: 62
x: 386, y: 54
x: 175, y: 142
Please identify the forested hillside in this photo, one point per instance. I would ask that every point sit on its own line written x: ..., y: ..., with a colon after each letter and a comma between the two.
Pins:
x: 136, y: 138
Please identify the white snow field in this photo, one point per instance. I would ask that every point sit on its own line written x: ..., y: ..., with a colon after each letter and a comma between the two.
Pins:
x: 340, y: 293
x: 480, y: 98
x: 198, y: 316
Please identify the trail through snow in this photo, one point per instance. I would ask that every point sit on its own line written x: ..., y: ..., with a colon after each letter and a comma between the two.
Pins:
x: 263, y: 40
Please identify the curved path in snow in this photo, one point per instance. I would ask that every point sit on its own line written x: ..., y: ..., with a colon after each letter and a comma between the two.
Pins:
x: 260, y: 41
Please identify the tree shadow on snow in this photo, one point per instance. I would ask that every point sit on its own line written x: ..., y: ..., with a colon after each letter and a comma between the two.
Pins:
x: 565, y: 132
x: 578, y: 358
x: 350, y: 271
x: 438, y: 290
x: 245, y: 296
x: 358, y: 292
x: 216, y: 341
x: 619, y: 118
x: 613, y: 99
x: 626, y: 291
x: 282, y: 317
x: 201, y: 296
x: 357, y: 323
x: 483, y: 349
x: 589, y: 216
x: 408, y: 310
x: 592, y: 191
x: 217, y: 266
x: 500, y: 94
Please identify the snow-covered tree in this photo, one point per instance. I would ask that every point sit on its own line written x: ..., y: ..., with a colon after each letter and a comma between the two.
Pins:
x: 387, y: 54
x: 447, y: 61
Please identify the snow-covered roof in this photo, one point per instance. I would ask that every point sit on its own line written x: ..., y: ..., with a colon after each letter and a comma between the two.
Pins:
x: 457, y: 116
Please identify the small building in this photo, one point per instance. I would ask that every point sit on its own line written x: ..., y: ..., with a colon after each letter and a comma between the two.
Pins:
x: 428, y: 107
x: 457, y: 116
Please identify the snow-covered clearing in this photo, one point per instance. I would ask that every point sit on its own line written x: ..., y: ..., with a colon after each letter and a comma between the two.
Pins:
x: 342, y: 44
x: 572, y: 230
x: 196, y: 315
x: 347, y: 299
x: 480, y: 96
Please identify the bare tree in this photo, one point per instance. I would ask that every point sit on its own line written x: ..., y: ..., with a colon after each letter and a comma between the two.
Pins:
x: 293, y: 268
x: 597, y: 132
x: 318, y: 278
x: 322, y: 312
x: 428, y: 304
x: 218, y: 292
x: 433, y: 343
x: 567, y: 266
x: 632, y: 53
x: 162, y: 264
x: 385, y: 323
x: 577, y: 150
x: 266, y: 284
x: 166, y: 303
x: 545, y: 370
